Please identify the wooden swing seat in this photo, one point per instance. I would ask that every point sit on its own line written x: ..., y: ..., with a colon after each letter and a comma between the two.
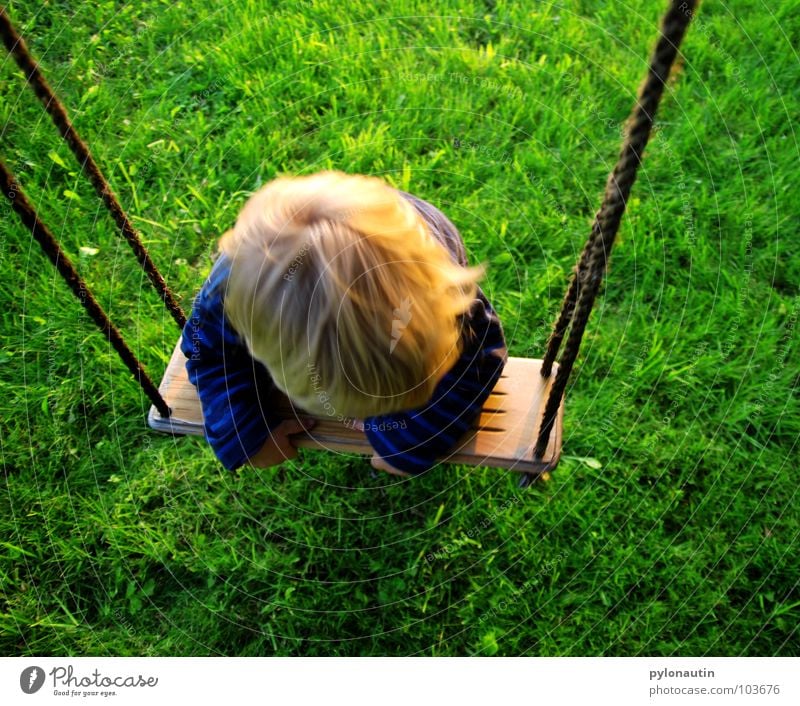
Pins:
x: 502, y: 437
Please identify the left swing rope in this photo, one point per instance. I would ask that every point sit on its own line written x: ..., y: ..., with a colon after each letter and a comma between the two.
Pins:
x: 13, y: 191
x: 55, y: 108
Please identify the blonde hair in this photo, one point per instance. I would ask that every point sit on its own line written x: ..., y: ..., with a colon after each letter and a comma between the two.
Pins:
x: 341, y: 291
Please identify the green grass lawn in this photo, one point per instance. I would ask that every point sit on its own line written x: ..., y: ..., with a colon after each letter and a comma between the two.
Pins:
x: 671, y: 525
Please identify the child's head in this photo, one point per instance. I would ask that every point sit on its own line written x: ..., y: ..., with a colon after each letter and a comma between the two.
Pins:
x: 341, y: 292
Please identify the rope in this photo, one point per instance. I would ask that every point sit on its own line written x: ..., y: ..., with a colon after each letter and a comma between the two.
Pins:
x: 588, y: 275
x: 579, y: 275
x: 16, y: 46
x: 66, y: 269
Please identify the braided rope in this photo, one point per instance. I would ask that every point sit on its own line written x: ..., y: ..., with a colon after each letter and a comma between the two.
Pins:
x: 580, y: 273
x: 66, y: 269
x: 589, y: 272
x: 17, y: 47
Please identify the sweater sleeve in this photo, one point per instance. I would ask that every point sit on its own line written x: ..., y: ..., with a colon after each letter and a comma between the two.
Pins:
x: 235, y: 390
x: 413, y: 441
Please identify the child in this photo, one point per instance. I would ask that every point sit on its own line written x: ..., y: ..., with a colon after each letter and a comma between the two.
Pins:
x: 353, y: 299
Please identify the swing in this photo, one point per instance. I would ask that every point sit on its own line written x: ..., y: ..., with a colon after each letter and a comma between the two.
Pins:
x: 520, y: 425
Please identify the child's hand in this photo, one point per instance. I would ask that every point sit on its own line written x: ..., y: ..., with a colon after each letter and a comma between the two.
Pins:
x: 383, y: 465
x: 278, y: 447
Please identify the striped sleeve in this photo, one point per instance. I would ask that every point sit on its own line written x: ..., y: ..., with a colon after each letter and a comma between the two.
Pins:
x: 233, y: 387
x: 414, y: 440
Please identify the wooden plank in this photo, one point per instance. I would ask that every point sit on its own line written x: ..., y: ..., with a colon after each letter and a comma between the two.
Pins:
x: 503, y: 436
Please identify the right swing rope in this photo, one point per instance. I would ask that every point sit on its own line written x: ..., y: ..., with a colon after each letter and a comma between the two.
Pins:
x: 588, y: 273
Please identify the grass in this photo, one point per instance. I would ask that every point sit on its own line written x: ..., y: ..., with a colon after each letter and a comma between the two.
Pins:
x: 671, y: 525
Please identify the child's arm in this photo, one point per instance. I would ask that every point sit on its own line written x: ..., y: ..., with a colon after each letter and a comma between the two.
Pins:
x: 412, y: 441
x: 234, y: 389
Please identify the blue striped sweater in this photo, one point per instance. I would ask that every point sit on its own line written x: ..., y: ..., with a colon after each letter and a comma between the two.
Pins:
x: 235, y: 389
